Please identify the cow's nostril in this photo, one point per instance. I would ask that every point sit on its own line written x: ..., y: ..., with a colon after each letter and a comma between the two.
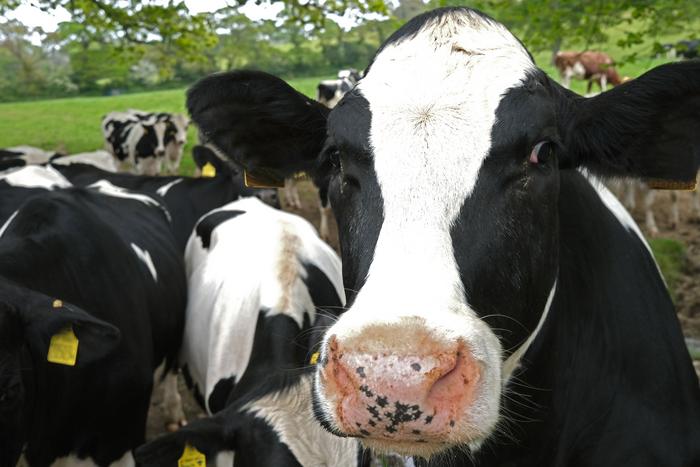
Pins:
x: 383, y: 395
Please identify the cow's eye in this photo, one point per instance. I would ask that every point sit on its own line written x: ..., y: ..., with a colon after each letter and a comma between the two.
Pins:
x: 541, y: 153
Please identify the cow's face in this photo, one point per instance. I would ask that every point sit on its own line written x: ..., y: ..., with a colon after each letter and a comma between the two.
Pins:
x: 444, y: 178
x: 446, y: 205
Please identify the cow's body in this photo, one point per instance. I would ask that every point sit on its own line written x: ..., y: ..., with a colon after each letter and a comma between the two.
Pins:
x: 591, y: 66
x: 138, y: 144
x: 100, y: 159
x: 480, y: 263
x: 19, y: 156
x: 186, y: 198
x: 114, y: 257
x: 249, y: 329
x: 17, y: 185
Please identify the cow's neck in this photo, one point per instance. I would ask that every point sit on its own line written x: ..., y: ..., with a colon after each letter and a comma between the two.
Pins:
x: 606, y: 349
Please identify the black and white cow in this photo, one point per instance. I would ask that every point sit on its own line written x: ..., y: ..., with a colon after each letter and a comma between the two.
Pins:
x: 186, y: 198
x: 19, y: 156
x: 106, y: 268
x: 248, y: 331
x: 138, y: 144
x: 685, y: 49
x: 330, y: 91
x: 175, y: 135
x: 503, y: 302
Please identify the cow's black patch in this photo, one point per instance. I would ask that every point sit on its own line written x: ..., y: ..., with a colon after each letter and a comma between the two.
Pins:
x: 206, y: 226
x: 220, y: 393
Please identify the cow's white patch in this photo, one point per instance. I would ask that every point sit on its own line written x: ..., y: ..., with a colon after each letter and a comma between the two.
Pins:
x: 145, y: 257
x: 513, y: 361
x: 224, y: 459
x: 72, y: 460
x: 32, y: 155
x: 106, y: 188
x: 290, y: 416
x: 35, y: 176
x: 225, y: 298
x: 100, y: 159
x: 162, y: 191
x: 7, y: 223
x: 433, y: 99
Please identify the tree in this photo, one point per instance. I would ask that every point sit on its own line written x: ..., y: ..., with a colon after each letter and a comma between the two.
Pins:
x: 547, y: 24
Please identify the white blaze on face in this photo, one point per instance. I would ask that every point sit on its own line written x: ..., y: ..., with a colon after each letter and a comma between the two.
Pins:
x: 433, y: 99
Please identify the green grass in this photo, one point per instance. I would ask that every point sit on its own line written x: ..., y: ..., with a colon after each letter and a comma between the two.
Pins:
x: 670, y: 256
x: 73, y: 124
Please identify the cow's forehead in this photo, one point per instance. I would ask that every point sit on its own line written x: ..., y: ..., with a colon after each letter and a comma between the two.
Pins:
x: 432, y: 97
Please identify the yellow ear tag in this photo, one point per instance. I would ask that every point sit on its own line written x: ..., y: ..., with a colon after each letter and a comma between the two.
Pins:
x: 262, y: 179
x: 57, y: 303
x: 63, y: 348
x: 208, y: 171
x: 657, y: 184
x: 314, y: 358
x: 191, y: 457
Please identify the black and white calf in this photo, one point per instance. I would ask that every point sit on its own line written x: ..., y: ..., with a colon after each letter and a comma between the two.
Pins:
x: 186, y: 198
x: 175, y: 135
x: 138, y: 144
x: 330, y: 91
x: 249, y: 330
x: 496, y: 288
x: 92, y: 299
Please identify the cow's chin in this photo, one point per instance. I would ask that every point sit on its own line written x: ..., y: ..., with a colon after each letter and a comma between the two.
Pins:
x: 425, y: 449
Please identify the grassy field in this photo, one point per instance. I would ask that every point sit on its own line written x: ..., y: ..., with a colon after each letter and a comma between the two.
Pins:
x: 73, y: 124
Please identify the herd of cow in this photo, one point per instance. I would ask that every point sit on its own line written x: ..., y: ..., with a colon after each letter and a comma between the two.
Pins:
x: 495, y: 305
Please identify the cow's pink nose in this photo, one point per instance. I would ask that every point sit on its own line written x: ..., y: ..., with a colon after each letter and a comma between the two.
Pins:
x: 401, y: 397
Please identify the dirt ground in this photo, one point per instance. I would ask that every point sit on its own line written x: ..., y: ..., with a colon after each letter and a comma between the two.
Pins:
x: 687, y: 294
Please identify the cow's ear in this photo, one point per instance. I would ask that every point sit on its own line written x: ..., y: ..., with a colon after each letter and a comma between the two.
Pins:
x: 209, y: 164
x: 259, y: 121
x: 647, y: 128
x: 205, y: 435
x: 63, y: 333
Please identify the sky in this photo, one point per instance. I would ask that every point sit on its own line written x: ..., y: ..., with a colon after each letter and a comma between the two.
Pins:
x: 34, y: 17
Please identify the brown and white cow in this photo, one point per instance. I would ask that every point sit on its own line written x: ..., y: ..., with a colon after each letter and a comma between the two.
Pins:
x: 494, y: 286
x: 592, y: 66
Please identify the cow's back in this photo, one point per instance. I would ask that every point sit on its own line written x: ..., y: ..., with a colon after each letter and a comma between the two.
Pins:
x: 245, y: 262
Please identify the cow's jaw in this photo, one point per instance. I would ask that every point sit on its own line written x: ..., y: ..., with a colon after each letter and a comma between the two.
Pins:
x: 388, y: 366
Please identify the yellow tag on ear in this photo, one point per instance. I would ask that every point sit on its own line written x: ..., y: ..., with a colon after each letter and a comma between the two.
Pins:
x: 63, y: 348
x: 208, y: 170
x: 301, y: 176
x: 262, y: 180
x: 314, y: 358
x: 191, y: 457
x: 657, y: 184
x: 57, y: 303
